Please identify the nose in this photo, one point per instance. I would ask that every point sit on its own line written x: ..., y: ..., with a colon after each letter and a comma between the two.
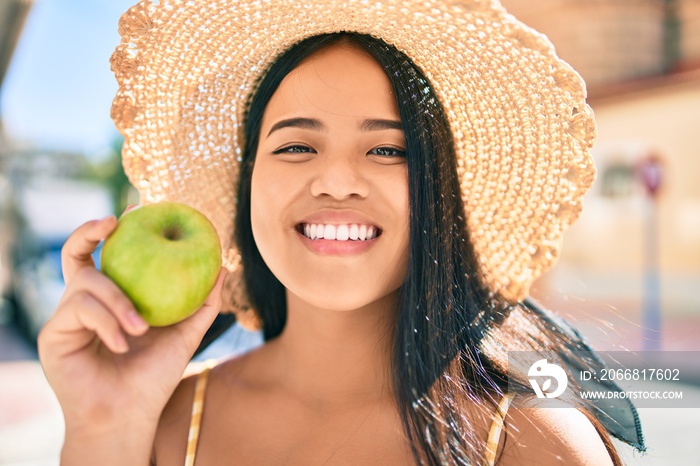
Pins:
x: 340, y: 177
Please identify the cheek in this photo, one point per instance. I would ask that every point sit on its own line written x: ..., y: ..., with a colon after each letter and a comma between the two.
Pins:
x: 396, y: 194
x: 265, y: 193
x: 271, y: 195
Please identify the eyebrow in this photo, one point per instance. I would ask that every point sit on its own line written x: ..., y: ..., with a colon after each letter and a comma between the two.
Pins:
x: 379, y: 124
x: 371, y: 124
x: 303, y: 123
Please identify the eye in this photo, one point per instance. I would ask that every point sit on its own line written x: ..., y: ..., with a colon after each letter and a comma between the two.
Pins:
x: 295, y: 149
x: 388, y: 152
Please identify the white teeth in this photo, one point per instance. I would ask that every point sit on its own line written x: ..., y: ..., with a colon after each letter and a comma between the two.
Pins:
x: 362, y: 234
x: 353, y: 232
x: 342, y: 233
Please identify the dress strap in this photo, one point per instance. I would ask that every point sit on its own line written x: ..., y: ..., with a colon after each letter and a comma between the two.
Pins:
x: 200, y: 390
x: 496, y: 428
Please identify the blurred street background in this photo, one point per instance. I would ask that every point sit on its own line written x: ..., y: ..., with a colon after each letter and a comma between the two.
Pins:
x: 628, y: 276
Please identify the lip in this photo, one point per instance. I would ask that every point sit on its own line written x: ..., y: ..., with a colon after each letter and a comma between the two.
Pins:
x: 339, y: 217
x: 329, y: 247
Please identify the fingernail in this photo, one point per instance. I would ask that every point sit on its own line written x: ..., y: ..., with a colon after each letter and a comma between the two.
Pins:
x: 136, y: 321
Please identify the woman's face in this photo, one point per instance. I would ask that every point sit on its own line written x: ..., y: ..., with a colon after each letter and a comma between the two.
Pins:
x: 329, y: 193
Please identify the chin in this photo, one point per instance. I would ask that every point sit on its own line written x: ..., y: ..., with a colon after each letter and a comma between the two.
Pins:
x: 343, y: 300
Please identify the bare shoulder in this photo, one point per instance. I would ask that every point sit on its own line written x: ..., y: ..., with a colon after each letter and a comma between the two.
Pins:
x: 551, y: 436
x: 170, y: 446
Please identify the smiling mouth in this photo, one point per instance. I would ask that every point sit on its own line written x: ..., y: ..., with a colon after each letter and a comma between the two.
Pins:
x: 343, y: 232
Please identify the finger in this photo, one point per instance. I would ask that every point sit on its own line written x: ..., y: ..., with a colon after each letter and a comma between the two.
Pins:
x: 93, y: 316
x: 214, y: 298
x: 112, y: 298
x: 194, y: 327
x: 77, y: 251
x: 88, y: 317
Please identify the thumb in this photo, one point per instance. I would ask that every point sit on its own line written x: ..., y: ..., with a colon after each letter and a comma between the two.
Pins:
x: 194, y: 327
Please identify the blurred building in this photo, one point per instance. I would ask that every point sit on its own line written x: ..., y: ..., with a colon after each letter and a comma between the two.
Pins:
x: 614, y: 42
x: 641, y: 63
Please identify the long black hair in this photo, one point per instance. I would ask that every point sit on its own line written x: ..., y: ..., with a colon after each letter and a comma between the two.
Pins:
x: 440, y: 364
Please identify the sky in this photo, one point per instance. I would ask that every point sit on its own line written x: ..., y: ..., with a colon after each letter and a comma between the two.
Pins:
x: 58, y: 89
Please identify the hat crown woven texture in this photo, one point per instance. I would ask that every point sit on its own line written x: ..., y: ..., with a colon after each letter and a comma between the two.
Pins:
x: 521, y: 127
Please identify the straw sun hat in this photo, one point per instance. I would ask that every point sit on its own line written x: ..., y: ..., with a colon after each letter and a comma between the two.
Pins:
x: 518, y: 115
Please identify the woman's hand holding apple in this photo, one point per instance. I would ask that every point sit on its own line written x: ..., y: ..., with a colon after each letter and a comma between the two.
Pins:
x: 112, y: 374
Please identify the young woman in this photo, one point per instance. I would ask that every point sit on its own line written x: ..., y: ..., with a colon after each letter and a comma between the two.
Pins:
x: 384, y: 195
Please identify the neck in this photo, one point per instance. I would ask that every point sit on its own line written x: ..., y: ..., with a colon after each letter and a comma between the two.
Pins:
x: 330, y: 357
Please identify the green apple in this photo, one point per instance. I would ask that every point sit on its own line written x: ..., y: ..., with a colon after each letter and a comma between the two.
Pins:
x: 166, y: 258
